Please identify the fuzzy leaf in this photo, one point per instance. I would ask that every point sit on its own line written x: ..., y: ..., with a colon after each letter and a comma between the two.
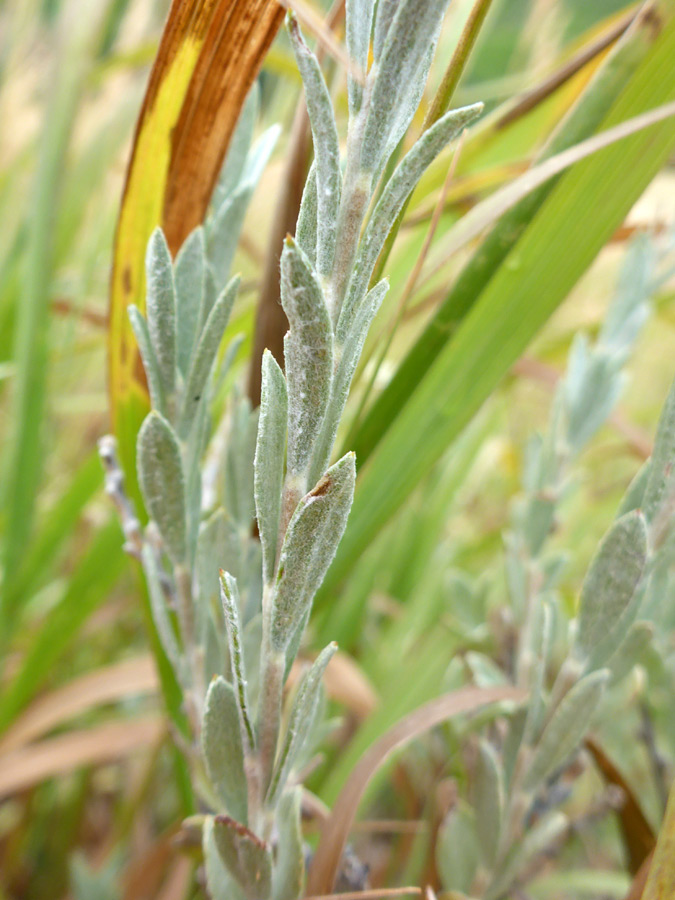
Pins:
x: 383, y: 17
x: 239, y: 476
x: 161, y: 308
x: 488, y: 800
x: 349, y: 358
x: 159, y: 607
x: 566, y: 727
x: 233, y: 168
x: 326, y: 148
x: 150, y: 364
x: 629, y: 651
x: 246, y: 857
x: 542, y: 640
x: 305, y: 229
x: 160, y: 472
x: 309, y: 355
x: 221, y: 885
x: 229, y: 594
x: 635, y: 493
x: 222, y: 748
x: 457, y: 849
x: 269, y: 459
x: 314, y: 532
x: 611, y: 581
x: 300, y: 721
x: 537, y: 840
x: 359, y: 20
x: 398, y: 188
x: 660, y: 481
x: 412, y: 30
x: 205, y: 355
x: 289, y: 871
x: 222, y: 233
x: 190, y: 280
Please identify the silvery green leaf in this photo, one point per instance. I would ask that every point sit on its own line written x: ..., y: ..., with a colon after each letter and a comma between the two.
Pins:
x: 229, y: 594
x: 412, y: 30
x: 221, y: 885
x: 245, y: 856
x: 630, y: 306
x: 326, y: 148
x: 300, y: 721
x: 160, y: 473
x: 408, y: 104
x: 222, y: 748
x: 591, y: 389
x: 635, y: 493
x: 628, y: 653
x: 540, y: 651
x: 396, y: 192
x: 485, y: 673
x: 160, y: 611
x: 566, y: 727
x: 536, y: 841
x: 296, y: 642
x: 349, y: 356
x: 205, y: 354
x: 538, y: 518
x: 312, y: 538
x: 150, y: 364
x: 229, y: 357
x: 161, y: 308
x: 516, y: 573
x: 359, y: 21
x: 309, y: 355
x: 257, y: 159
x: 488, y: 800
x: 383, y: 16
x: 513, y: 742
x: 252, y: 643
x: 305, y: 229
x: 239, y: 490
x: 612, y: 579
x: 190, y: 280
x: 457, y: 851
x: 222, y: 232
x: 233, y: 167
x: 218, y: 540
x: 288, y: 875
x: 269, y: 459
x: 660, y: 481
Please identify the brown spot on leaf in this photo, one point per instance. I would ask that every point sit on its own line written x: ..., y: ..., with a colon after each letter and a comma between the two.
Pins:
x: 322, y: 487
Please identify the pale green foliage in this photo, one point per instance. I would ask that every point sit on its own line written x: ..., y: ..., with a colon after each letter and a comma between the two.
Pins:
x: 222, y: 747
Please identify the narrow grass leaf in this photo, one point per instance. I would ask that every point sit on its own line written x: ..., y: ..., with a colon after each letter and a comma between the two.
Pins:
x: 160, y: 472
x: 222, y: 748
x: 269, y: 459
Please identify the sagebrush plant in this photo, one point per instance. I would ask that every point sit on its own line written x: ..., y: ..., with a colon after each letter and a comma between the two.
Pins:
x: 233, y: 658
x: 246, y: 513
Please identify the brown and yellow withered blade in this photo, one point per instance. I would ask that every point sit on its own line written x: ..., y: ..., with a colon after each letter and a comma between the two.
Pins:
x: 209, y: 55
